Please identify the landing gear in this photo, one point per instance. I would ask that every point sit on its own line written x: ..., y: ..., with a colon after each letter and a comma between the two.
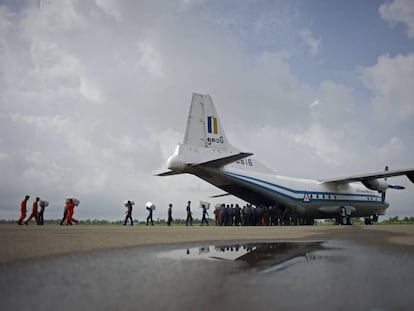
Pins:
x: 308, y: 221
x: 344, y: 220
x: 368, y: 221
x: 344, y: 217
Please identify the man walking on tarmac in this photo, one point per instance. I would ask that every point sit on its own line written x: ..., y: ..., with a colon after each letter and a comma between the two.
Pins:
x: 169, y: 214
x: 128, y: 205
x: 150, y: 209
x: 204, y: 219
x: 23, y: 210
x: 189, y: 215
x: 35, y: 212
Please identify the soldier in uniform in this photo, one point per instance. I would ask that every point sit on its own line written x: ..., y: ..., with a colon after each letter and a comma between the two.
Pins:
x: 189, y: 215
x: 128, y: 212
x: 42, y: 204
x: 149, y: 209
x: 204, y: 219
x: 169, y: 214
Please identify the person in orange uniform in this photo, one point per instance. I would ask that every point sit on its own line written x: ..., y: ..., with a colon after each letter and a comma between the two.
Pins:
x: 23, y: 210
x: 35, y: 212
x: 70, y: 207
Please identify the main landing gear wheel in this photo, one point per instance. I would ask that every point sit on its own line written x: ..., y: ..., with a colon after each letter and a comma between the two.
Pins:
x: 368, y: 221
x: 344, y: 220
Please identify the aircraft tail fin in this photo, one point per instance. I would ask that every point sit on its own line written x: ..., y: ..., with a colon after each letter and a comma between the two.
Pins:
x: 205, y: 144
x: 204, y: 128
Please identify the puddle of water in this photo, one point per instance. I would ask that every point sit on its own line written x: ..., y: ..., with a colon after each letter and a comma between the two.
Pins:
x: 265, y: 256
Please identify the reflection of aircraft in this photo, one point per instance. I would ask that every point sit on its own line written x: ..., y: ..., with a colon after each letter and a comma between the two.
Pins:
x: 207, y: 154
x: 264, y: 256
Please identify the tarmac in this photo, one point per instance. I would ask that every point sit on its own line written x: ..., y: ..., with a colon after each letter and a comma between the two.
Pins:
x: 104, y: 267
x: 27, y: 242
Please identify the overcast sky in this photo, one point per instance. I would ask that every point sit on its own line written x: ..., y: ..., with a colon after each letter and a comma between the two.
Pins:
x: 94, y: 95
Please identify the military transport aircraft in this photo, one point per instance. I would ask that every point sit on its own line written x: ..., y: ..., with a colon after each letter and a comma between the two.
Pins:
x: 207, y: 154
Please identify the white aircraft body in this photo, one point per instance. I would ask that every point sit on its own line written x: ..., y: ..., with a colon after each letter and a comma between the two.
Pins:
x: 207, y: 154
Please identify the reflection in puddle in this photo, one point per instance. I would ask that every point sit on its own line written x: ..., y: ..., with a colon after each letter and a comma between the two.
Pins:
x: 264, y: 256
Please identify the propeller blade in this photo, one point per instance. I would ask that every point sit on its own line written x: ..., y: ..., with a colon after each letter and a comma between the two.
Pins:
x: 398, y: 187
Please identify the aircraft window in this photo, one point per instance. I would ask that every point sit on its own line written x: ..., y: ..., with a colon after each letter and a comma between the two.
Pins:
x: 334, y: 197
x: 317, y: 196
x: 323, y: 196
x: 329, y: 197
x: 311, y: 196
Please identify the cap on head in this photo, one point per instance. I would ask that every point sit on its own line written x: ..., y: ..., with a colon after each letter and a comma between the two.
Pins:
x: 37, y: 198
x: 27, y: 197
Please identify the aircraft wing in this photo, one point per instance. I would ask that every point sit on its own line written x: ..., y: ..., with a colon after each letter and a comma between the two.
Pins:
x: 366, y: 177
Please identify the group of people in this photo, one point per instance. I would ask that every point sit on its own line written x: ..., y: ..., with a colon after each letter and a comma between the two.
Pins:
x: 36, y: 213
x: 249, y: 215
x: 150, y: 208
x: 225, y: 215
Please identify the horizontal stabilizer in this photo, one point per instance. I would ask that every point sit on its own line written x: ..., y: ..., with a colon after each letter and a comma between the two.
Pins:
x: 225, y: 160
x: 367, y: 177
x: 220, y: 195
x: 168, y: 173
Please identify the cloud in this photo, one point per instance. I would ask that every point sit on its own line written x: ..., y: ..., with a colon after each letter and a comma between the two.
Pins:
x: 150, y: 59
x: 95, y: 96
x: 324, y: 144
x: 399, y: 11
x: 111, y: 8
x: 3, y: 156
x: 312, y: 43
x: 391, y: 82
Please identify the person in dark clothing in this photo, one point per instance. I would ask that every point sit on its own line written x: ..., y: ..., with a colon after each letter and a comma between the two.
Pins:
x: 149, y: 209
x: 237, y: 219
x: 42, y: 204
x: 189, y: 215
x: 65, y: 214
x: 169, y: 214
x: 128, y: 212
x: 204, y: 219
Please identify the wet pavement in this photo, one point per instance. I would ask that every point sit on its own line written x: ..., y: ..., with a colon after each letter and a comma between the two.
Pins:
x: 311, y: 275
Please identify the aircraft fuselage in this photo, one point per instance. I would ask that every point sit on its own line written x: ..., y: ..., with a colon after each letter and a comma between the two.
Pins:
x: 306, y: 197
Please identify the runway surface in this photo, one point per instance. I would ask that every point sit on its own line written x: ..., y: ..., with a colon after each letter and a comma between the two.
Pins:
x: 180, y: 268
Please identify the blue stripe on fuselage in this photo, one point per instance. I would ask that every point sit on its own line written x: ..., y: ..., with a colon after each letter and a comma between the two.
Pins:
x: 253, y: 181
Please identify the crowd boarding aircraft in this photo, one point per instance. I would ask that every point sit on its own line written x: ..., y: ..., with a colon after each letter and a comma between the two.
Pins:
x: 207, y: 154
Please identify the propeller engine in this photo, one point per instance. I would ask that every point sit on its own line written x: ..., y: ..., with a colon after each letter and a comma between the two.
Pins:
x: 381, y: 185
